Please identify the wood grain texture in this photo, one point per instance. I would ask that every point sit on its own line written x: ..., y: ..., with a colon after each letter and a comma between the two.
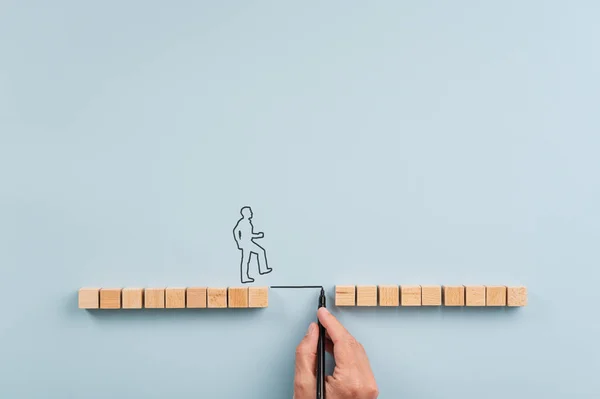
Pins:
x: 495, y: 295
x: 216, y: 297
x: 133, y: 298
x: 238, y: 297
x: 175, y: 298
x: 154, y: 298
x: 258, y: 297
x: 110, y: 298
x: 475, y: 295
x: 410, y: 295
x: 89, y: 298
x: 366, y: 295
x: 516, y: 296
x: 431, y: 295
x: 196, y: 297
x: 389, y: 295
x: 345, y: 295
x: 454, y: 295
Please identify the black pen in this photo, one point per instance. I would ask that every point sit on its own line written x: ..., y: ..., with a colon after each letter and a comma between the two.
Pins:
x: 321, y: 352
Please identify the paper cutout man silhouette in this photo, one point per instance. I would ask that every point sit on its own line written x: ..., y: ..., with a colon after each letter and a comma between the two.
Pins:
x: 244, y: 236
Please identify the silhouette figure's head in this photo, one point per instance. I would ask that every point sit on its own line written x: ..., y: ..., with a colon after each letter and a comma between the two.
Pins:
x: 246, y: 212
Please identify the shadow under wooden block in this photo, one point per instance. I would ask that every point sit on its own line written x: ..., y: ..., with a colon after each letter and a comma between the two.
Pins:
x: 216, y: 297
x: 175, y: 298
x: 238, y: 297
x: 366, y: 295
x: 89, y: 298
x: 475, y: 295
x: 154, y: 298
x: 410, y: 295
x: 454, y: 295
x: 389, y: 295
x: 133, y: 298
x: 345, y: 295
x: 516, y: 296
x: 110, y: 298
x: 431, y: 295
x: 258, y: 297
x: 495, y: 295
x: 196, y: 297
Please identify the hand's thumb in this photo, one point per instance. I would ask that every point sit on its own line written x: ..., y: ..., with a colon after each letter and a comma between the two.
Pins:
x: 306, y: 364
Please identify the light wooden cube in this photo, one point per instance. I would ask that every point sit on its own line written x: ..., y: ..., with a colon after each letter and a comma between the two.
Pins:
x: 258, y: 297
x: 366, y: 295
x: 495, y: 295
x: 238, y: 297
x: 389, y: 295
x: 431, y: 295
x: 196, y: 297
x: 175, y: 298
x: 516, y: 296
x: 475, y: 295
x: 133, y: 298
x: 345, y: 295
x: 110, y: 298
x: 410, y: 295
x: 454, y: 295
x: 217, y: 297
x: 154, y: 298
x: 89, y: 298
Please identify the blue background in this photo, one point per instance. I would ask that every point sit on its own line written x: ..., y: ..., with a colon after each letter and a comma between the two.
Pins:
x: 382, y: 142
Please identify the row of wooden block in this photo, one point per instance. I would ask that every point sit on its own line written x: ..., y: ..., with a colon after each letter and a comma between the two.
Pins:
x: 173, y: 298
x: 429, y: 295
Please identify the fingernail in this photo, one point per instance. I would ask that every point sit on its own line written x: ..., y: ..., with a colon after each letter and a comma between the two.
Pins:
x: 311, y: 328
x: 325, y: 310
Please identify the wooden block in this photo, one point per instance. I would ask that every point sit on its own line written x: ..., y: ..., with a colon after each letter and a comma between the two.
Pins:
x: 475, y: 295
x: 133, y: 298
x: 366, y: 295
x: 175, y: 298
x: 516, y: 296
x: 345, y: 295
x: 238, y: 297
x: 431, y: 295
x: 258, y: 297
x: 495, y: 295
x: 217, y: 297
x: 196, y: 297
x: 110, y: 298
x: 89, y: 298
x: 389, y: 295
x: 454, y: 295
x: 410, y: 295
x: 154, y: 298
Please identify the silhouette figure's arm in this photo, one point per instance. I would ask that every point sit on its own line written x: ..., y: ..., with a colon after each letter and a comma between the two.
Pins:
x: 237, y: 234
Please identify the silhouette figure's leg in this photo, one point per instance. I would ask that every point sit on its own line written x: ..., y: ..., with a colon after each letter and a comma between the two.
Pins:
x: 261, y: 254
x: 245, y: 267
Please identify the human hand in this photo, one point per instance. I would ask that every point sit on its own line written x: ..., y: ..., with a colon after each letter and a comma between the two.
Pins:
x: 352, y: 376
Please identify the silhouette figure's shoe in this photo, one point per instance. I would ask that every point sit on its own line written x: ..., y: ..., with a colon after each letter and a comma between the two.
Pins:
x: 269, y: 270
x: 247, y: 280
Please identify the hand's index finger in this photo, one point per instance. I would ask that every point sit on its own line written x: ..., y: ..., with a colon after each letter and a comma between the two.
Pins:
x: 334, y: 328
